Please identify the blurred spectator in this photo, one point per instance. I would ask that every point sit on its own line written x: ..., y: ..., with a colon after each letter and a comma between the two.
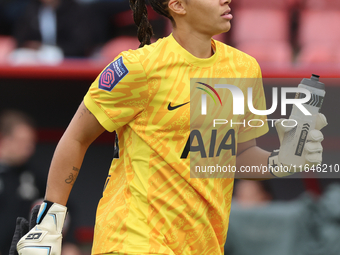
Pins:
x: 92, y: 1
x: 70, y: 249
x: 122, y: 29
x: 319, y: 34
x: 10, y: 11
x: 18, y: 188
x: 260, y: 226
x: 7, y: 45
x: 51, y: 29
x: 252, y: 193
x: 303, y: 226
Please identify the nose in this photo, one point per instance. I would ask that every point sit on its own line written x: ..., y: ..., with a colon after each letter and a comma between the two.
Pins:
x: 225, y: 2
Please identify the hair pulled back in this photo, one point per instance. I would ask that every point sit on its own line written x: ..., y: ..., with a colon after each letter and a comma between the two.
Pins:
x: 140, y: 16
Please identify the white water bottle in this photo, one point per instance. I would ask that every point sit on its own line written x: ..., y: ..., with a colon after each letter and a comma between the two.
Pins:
x: 291, y: 150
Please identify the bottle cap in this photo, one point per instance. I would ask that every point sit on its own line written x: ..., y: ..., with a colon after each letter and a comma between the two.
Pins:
x: 313, y: 82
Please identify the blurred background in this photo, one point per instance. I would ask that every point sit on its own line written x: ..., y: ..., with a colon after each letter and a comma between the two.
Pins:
x: 52, y: 50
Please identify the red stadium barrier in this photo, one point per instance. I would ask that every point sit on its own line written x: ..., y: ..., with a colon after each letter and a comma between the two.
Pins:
x: 89, y: 70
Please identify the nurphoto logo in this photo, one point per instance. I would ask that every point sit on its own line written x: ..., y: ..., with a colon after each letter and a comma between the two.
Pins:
x: 238, y: 99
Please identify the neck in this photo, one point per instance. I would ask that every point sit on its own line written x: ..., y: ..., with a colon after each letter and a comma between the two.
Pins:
x: 197, y: 44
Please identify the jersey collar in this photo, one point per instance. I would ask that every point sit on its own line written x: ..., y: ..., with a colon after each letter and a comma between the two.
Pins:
x: 200, y: 62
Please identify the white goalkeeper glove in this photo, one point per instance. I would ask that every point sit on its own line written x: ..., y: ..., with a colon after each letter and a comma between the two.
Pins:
x: 313, y: 148
x: 45, y: 238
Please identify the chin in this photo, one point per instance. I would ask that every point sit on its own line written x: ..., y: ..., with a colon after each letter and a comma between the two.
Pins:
x: 227, y: 29
x: 224, y: 29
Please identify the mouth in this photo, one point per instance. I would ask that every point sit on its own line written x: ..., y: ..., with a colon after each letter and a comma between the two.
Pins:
x: 227, y: 14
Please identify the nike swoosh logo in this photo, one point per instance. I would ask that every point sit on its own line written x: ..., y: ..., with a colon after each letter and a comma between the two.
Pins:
x: 171, y: 108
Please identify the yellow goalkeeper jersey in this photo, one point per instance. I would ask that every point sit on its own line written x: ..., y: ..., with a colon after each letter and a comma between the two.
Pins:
x: 150, y: 204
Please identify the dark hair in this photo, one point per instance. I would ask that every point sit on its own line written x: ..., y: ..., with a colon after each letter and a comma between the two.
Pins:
x: 9, y: 119
x: 140, y: 16
x: 266, y: 187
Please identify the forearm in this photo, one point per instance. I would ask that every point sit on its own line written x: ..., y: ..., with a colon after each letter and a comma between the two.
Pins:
x: 64, y: 169
x: 69, y: 154
x: 252, y: 164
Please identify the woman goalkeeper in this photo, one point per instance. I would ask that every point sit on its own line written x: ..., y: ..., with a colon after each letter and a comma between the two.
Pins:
x: 150, y: 204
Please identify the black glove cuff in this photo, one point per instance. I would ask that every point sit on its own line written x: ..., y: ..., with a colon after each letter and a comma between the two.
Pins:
x: 46, y: 205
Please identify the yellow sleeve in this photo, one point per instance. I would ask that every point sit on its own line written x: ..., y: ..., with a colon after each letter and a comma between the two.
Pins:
x: 119, y: 93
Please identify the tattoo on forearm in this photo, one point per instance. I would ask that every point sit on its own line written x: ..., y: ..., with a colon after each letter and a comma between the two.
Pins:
x: 84, y: 111
x: 75, y: 169
x: 71, y: 178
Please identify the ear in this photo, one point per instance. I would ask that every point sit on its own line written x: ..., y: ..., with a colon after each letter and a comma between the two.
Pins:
x: 177, y: 7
